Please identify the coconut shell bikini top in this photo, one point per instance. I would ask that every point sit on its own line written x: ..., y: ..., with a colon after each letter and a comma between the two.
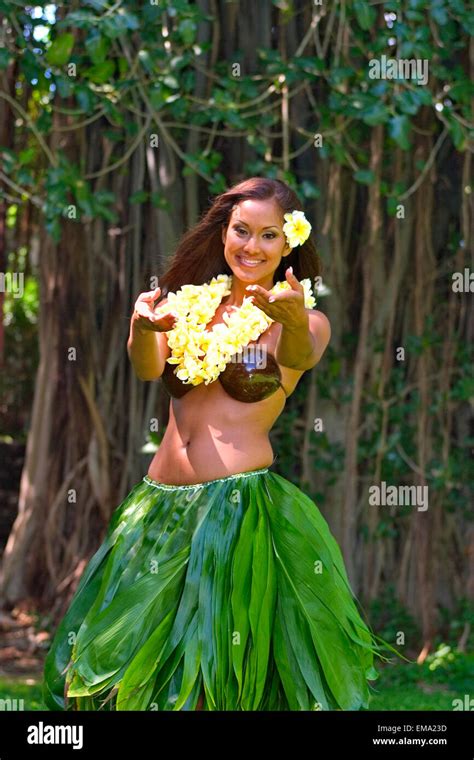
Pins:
x: 245, y: 378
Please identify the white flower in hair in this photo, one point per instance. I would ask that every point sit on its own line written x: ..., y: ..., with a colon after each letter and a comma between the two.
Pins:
x: 296, y: 228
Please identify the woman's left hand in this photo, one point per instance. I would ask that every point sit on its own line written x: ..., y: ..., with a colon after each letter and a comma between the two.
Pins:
x: 286, y: 307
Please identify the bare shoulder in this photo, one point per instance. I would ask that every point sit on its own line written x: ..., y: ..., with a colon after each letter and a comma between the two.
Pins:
x: 320, y: 328
x: 319, y: 319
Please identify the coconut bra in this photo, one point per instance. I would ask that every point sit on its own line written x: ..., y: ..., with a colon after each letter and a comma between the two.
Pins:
x: 246, y: 378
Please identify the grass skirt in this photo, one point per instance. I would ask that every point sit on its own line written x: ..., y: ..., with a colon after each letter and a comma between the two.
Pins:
x: 234, y: 587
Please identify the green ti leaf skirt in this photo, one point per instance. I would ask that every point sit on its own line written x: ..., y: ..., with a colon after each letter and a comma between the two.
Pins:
x: 234, y: 589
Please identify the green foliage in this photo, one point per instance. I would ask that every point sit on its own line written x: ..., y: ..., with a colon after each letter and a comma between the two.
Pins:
x: 404, y: 686
x: 455, y: 623
x: 119, y: 52
x: 68, y: 194
x: 60, y: 49
x: 365, y: 176
x: 26, y: 688
x: 399, y: 130
x: 365, y: 14
x: 389, y: 618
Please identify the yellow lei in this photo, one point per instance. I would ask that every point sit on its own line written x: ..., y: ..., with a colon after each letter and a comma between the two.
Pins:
x: 201, y: 354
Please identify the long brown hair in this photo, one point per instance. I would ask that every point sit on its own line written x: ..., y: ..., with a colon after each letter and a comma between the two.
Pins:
x: 200, y: 253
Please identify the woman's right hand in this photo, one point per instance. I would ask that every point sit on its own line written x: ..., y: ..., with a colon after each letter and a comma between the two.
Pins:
x: 144, y: 316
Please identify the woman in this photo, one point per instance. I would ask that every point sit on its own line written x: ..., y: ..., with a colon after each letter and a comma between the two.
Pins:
x: 219, y: 585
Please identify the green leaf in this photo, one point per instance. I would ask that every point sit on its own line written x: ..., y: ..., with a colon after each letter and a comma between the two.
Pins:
x: 157, y: 97
x: 171, y: 81
x: 97, y: 47
x: 53, y: 227
x: 187, y: 30
x: 101, y: 72
x: 25, y: 178
x: 261, y: 610
x: 60, y: 50
x: 139, y: 197
x: 65, y: 86
x: 399, y: 129
x: 79, y: 19
x: 123, y: 66
x: 159, y: 201
x: 112, y: 134
x: 130, y: 20
x: 462, y: 91
x: 340, y: 154
x: 136, y: 686
x: 44, y: 122
x: 365, y: 176
x: 86, y: 206
x: 241, y: 590
x: 365, y: 14
x: 310, y: 65
x: 84, y: 97
x: 340, y: 74
x: 438, y: 12
x: 376, y: 113
x: 218, y: 184
x: 456, y: 131
x: 145, y: 60
x: 408, y: 101
x: 424, y: 95
x: 414, y: 16
x: 309, y: 189
x: 115, y: 114
x: 392, y: 204
x: 120, y: 23
x: 82, y: 190
x: 27, y: 156
x: 97, y: 5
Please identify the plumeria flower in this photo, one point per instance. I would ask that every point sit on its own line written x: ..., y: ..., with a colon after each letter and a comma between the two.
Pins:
x: 296, y: 229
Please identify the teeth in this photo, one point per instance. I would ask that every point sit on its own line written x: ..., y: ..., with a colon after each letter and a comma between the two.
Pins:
x: 250, y: 262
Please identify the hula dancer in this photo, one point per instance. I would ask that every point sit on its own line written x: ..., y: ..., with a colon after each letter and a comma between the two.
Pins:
x: 219, y: 585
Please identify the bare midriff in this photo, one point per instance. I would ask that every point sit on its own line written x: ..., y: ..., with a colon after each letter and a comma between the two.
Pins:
x: 211, y: 435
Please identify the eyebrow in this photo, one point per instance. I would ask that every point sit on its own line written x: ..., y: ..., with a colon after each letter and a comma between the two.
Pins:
x: 272, y: 226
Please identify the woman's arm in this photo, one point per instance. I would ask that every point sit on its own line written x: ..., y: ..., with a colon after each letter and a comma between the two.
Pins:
x: 147, y: 345
x: 148, y: 351
x: 302, y: 346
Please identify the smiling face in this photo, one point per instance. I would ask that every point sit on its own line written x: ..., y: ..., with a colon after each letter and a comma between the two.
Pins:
x: 254, y: 241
